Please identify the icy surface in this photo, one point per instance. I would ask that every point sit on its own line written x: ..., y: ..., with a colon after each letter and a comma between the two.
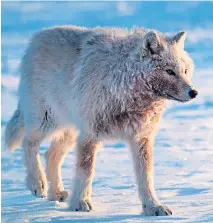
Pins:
x: 184, y: 144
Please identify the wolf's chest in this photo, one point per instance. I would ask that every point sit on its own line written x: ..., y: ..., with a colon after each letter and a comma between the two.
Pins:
x: 127, y: 121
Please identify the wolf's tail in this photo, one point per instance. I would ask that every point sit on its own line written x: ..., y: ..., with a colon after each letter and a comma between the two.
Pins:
x: 14, y: 132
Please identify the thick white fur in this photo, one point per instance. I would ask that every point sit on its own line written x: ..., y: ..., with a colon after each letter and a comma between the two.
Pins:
x: 103, y: 83
x: 58, y: 150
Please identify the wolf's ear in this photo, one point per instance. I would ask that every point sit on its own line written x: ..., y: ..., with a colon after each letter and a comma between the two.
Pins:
x: 180, y: 38
x: 151, y: 42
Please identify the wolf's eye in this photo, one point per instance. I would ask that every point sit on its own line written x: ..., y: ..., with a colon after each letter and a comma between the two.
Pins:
x: 171, y: 72
x: 186, y: 70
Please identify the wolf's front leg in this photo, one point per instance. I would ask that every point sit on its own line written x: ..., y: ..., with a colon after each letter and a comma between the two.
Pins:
x: 82, y: 185
x: 143, y: 163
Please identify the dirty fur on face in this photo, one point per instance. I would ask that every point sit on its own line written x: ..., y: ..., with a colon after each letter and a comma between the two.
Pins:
x: 80, y: 86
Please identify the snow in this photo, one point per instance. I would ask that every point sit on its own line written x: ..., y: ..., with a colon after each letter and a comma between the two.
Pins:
x: 183, y: 152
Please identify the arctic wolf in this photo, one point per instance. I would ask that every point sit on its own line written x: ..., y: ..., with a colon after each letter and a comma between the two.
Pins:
x: 81, y: 86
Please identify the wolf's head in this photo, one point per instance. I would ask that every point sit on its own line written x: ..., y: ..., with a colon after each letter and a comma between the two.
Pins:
x: 167, y: 68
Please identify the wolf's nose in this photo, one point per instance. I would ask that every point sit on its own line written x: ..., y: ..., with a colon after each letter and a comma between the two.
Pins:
x: 193, y: 93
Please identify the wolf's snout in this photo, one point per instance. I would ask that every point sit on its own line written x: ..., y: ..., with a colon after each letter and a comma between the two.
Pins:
x: 193, y: 93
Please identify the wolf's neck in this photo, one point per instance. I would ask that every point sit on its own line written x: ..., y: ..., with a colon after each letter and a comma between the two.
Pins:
x: 135, y: 102
x: 142, y: 101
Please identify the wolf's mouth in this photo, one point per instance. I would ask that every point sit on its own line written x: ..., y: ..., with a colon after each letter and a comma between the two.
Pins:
x: 168, y: 96
x: 174, y: 98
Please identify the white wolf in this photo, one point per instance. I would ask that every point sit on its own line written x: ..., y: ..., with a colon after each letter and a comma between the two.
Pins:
x: 96, y: 83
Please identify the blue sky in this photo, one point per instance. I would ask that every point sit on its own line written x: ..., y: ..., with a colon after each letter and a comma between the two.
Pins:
x: 166, y: 16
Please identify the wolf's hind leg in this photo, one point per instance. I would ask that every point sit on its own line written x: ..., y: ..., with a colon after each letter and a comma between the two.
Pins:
x: 82, y: 185
x: 36, y: 178
x: 54, y: 158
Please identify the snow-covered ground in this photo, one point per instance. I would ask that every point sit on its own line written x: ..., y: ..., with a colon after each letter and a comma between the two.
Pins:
x: 184, y: 144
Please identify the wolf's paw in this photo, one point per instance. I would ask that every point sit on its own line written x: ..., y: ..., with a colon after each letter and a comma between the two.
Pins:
x: 81, y: 205
x: 37, y: 187
x: 156, y: 210
x: 58, y: 196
